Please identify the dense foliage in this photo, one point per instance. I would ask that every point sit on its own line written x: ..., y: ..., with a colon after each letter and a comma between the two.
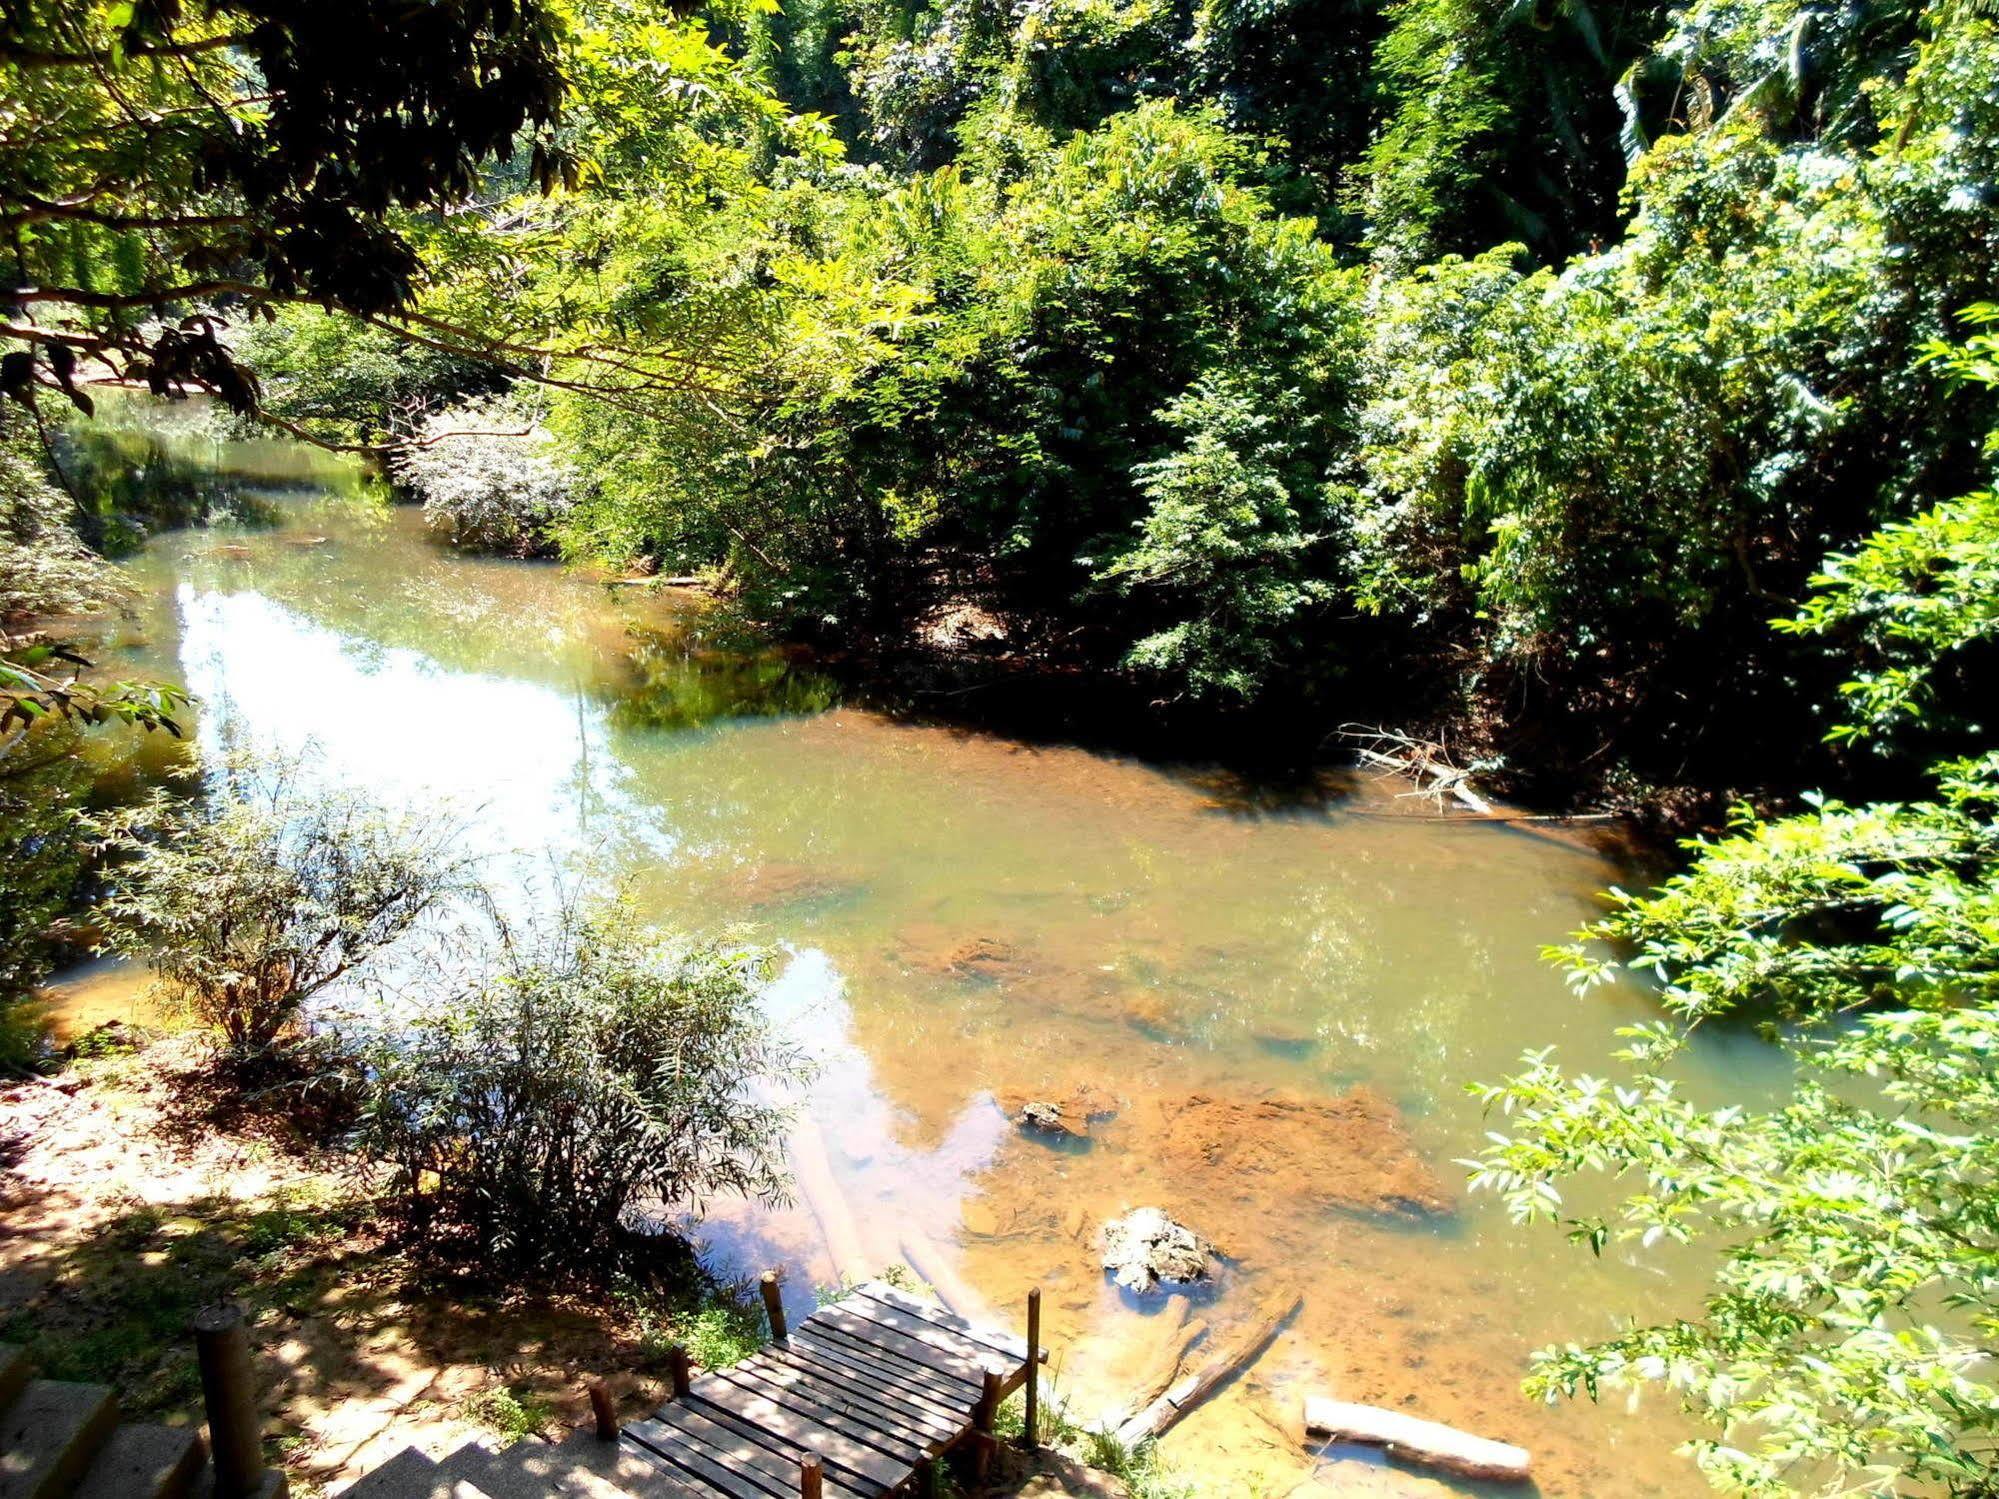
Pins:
x: 159, y: 156
x: 595, y: 1072
x: 1849, y: 1333
x: 486, y: 477
x: 1097, y: 322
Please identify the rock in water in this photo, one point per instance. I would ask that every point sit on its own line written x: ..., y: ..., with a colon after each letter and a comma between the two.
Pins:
x: 1044, y: 1118
x: 1146, y: 1247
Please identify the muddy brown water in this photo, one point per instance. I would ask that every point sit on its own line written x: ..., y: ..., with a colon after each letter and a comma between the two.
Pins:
x: 1271, y: 1008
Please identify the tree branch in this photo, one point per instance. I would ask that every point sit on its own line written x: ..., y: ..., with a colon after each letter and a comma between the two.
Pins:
x: 31, y: 57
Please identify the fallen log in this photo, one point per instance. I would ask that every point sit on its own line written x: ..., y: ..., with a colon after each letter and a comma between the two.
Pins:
x: 1175, y: 1334
x: 1228, y: 1357
x: 1430, y: 1443
x: 812, y: 1169
x: 928, y: 1261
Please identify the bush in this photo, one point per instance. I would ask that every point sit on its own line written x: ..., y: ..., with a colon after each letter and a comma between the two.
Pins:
x: 487, y: 478
x: 595, y: 1071
x: 257, y: 896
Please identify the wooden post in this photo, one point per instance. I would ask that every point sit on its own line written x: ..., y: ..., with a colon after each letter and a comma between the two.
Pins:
x: 926, y: 1480
x: 1031, y: 1428
x: 810, y: 1477
x: 605, y: 1412
x: 676, y: 1359
x: 229, y: 1394
x: 774, y: 1305
x: 982, y: 1422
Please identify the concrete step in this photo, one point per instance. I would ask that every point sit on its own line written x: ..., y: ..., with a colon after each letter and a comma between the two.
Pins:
x: 274, y: 1486
x: 580, y: 1468
x: 411, y: 1475
x: 146, y: 1462
x: 14, y: 1372
x: 50, y: 1434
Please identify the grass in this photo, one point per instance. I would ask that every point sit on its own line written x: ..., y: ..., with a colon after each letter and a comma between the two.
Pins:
x: 1139, y: 1467
x: 718, y: 1326
x: 513, y: 1413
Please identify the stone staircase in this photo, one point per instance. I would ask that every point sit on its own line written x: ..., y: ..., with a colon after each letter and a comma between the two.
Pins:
x: 60, y: 1440
x: 65, y: 1441
x: 583, y: 1467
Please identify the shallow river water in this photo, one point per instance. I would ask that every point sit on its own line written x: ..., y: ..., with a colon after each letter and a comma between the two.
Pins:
x: 970, y: 921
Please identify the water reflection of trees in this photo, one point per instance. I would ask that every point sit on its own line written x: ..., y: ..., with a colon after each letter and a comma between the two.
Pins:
x: 685, y: 677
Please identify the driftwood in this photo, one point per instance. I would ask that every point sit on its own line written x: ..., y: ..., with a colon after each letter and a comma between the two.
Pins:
x: 1416, y: 1441
x: 1176, y: 1333
x: 1226, y: 1358
x: 1443, y: 782
x: 813, y: 1171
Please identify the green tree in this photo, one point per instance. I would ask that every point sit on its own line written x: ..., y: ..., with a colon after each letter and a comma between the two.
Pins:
x: 165, y: 157
x: 1848, y: 1339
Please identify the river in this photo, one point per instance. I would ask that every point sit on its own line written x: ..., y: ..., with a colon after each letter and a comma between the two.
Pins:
x: 967, y: 921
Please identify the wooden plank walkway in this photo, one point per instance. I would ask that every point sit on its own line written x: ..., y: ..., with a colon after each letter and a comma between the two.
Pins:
x: 861, y: 1399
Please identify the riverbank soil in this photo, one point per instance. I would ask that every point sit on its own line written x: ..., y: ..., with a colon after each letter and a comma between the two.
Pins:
x: 133, y: 1191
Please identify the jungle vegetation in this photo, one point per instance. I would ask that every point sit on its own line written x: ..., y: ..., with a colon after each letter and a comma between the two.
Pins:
x: 1602, y: 393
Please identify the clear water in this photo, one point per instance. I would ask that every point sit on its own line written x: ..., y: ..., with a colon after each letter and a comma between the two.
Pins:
x: 1157, y: 933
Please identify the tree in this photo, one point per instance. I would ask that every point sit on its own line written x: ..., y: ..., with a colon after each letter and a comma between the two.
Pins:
x: 1222, y: 550
x: 592, y: 1071
x: 1851, y: 1328
x: 256, y: 896
x: 161, y: 158
x: 46, y: 572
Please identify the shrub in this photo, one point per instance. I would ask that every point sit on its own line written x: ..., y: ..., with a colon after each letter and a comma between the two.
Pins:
x: 487, y: 478
x: 251, y: 899
x: 594, y: 1071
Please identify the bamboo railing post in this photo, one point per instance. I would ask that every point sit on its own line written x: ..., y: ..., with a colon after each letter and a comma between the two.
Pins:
x: 676, y: 1361
x: 605, y: 1413
x: 1031, y: 1426
x: 773, y: 1305
x: 229, y: 1395
x: 810, y: 1477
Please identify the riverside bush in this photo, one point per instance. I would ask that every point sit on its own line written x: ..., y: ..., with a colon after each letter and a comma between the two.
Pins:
x: 595, y: 1071
x: 254, y: 897
x: 487, y: 478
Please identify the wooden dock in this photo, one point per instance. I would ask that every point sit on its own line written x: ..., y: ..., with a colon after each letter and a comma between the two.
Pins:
x: 863, y: 1398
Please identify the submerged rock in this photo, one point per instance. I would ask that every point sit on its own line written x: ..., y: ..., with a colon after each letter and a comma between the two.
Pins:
x: 1145, y: 1248
x: 776, y: 885
x: 1067, y: 1113
x: 1350, y: 1151
x: 927, y: 948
